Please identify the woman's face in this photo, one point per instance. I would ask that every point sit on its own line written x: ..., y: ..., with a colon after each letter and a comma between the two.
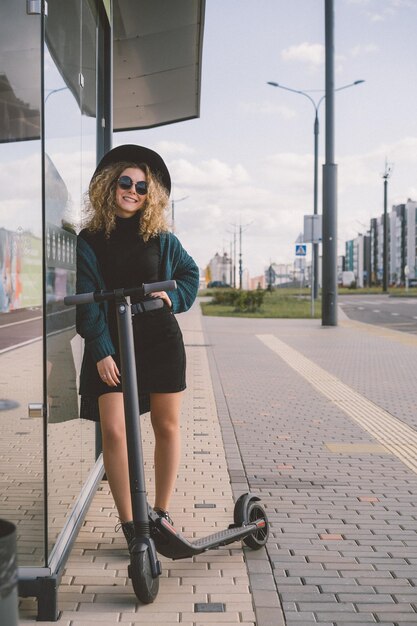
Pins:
x: 129, y: 201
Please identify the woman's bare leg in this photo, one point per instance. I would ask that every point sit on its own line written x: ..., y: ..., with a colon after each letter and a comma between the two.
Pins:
x: 113, y: 432
x: 165, y: 416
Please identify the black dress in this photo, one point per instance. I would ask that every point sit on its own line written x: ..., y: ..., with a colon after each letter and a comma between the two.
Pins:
x: 127, y: 261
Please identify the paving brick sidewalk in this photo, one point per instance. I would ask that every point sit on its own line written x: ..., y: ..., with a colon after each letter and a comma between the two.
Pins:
x: 95, y: 588
x: 342, y: 507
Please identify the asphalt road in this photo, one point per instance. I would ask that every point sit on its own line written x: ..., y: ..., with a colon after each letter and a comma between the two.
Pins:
x: 397, y: 313
x: 20, y: 327
x: 24, y: 326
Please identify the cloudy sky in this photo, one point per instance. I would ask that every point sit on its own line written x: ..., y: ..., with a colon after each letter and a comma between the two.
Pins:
x: 249, y: 158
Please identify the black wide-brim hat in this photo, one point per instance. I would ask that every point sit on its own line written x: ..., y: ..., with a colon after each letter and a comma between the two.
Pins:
x: 130, y: 153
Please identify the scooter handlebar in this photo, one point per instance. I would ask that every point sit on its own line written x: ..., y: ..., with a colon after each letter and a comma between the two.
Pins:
x: 80, y: 298
x: 166, y: 285
x: 100, y: 296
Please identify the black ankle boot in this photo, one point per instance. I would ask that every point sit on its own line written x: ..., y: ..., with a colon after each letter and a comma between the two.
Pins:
x: 165, y: 515
x: 128, y: 529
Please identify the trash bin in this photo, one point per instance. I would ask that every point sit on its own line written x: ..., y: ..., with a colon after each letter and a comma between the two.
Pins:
x: 8, y: 574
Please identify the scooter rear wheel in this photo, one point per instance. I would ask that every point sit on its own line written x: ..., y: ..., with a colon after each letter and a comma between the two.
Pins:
x: 144, y: 585
x: 258, y: 539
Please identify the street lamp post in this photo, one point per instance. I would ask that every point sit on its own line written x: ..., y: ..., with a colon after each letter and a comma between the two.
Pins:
x: 173, y: 210
x: 385, y: 272
x: 316, y: 106
x: 241, y: 229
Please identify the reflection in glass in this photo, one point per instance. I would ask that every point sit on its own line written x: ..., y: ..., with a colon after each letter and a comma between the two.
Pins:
x: 19, y: 74
x: 21, y: 341
x: 69, y: 74
x: 70, y: 138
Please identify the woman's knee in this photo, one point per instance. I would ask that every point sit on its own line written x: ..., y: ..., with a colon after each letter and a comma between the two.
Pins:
x: 112, y: 420
x: 113, y: 433
x: 165, y: 414
x: 165, y: 427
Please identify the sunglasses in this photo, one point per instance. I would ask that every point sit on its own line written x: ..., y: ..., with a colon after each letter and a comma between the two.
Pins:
x: 141, y: 187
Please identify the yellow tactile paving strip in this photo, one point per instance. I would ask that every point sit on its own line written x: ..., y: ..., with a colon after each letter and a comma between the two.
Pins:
x: 382, y: 331
x: 396, y: 436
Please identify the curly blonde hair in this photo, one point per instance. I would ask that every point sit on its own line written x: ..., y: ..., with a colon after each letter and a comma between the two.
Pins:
x: 100, y: 201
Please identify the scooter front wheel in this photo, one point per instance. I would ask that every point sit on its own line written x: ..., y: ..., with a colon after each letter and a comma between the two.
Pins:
x: 144, y: 585
x: 248, y: 510
x: 259, y: 538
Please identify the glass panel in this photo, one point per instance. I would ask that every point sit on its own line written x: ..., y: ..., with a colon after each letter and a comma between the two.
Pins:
x: 89, y: 70
x: 21, y: 329
x: 70, y: 152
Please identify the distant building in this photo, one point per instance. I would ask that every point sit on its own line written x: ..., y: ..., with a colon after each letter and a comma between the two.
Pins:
x: 377, y: 248
x: 219, y: 268
x: 402, y: 246
x: 299, y: 271
x: 411, y: 238
x: 358, y: 259
x: 258, y: 282
x: 374, y: 230
x: 279, y: 274
x: 397, y: 245
x: 349, y: 256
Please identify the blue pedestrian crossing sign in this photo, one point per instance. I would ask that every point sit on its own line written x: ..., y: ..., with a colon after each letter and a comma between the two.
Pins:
x: 301, y: 249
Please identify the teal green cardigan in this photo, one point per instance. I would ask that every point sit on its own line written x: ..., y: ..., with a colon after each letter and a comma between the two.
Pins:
x: 91, y: 319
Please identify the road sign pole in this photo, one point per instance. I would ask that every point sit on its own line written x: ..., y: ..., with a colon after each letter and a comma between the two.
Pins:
x: 313, y: 293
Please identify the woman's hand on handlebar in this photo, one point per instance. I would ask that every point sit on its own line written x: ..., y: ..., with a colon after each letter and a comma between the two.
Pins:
x: 108, y: 371
x: 162, y: 294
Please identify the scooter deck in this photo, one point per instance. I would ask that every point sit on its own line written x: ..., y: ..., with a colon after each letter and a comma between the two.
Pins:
x: 173, y: 545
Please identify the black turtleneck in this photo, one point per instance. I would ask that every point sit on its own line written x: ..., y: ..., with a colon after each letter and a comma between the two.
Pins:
x: 128, y: 260
x: 124, y: 258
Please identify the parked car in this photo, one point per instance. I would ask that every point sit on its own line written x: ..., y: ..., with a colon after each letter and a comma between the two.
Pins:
x: 217, y: 283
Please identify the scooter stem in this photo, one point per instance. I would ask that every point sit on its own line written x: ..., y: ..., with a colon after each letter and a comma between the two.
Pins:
x: 132, y: 416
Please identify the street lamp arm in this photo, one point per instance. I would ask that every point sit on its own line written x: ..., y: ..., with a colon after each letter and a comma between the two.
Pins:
x: 356, y: 82
x: 179, y: 199
x: 55, y: 91
x: 302, y: 93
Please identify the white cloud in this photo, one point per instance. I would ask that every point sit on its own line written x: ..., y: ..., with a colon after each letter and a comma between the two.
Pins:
x: 377, y: 17
x: 266, y: 107
x: 360, y: 184
x: 19, y: 210
x: 388, y: 3
x: 410, y: 4
x: 270, y: 201
x: 361, y: 169
x: 360, y: 49
x: 312, y: 53
x: 273, y: 196
x: 391, y: 8
x: 174, y: 147
x: 210, y: 173
x: 291, y: 172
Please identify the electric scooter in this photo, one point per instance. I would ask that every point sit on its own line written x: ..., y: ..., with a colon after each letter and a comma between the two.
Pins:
x: 154, y: 533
